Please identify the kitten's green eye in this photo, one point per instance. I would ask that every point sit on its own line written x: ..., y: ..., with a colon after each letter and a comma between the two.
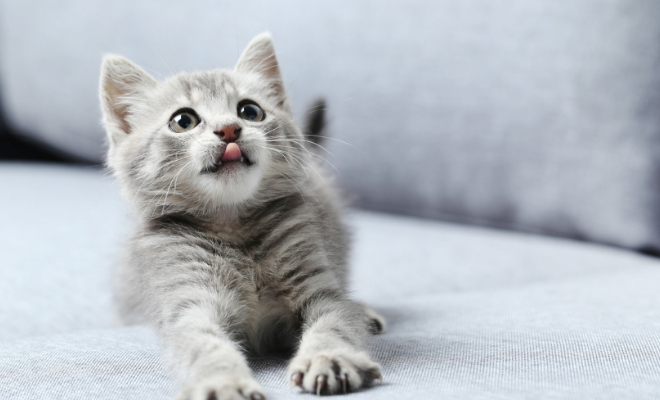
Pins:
x: 184, y: 120
x: 248, y: 109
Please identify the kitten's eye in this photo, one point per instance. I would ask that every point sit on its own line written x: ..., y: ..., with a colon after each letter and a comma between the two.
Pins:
x: 249, y: 110
x: 183, y: 120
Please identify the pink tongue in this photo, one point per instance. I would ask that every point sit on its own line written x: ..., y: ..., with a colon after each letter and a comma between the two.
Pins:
x: 232, y: 153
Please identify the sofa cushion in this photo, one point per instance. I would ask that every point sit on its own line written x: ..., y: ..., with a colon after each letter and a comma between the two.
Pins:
x: 472, y: 312
x: 62, y: 229
x: 120, y: 363
x: 538, y: 116
x: 594, y: 337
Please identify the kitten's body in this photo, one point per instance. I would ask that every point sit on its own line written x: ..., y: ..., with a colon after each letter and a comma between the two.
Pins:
x: 273, y: 257
x: 232, y: 253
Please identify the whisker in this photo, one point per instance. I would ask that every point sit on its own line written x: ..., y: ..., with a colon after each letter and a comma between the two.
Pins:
x: 315, y: 155
x: 299, y: 140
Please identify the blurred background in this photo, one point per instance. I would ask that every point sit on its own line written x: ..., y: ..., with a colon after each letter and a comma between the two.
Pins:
x: 535, y: 116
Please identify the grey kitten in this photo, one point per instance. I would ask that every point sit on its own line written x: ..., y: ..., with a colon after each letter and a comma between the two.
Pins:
x: 239, y: 242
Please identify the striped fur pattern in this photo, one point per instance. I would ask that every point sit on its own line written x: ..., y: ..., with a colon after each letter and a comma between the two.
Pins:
x: 241, y: 257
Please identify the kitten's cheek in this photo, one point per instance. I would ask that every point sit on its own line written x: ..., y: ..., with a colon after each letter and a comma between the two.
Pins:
x: 262, y: 159
x: 200, y: 157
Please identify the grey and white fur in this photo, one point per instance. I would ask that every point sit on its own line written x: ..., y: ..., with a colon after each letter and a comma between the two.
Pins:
x: 239, y: 244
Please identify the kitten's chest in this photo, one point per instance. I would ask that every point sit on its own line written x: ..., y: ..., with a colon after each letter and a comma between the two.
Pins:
x: 274, y: 264
x: 255, y: 250
x: 259, y: 273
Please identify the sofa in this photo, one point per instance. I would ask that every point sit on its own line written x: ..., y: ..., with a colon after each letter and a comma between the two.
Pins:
x: 501, y: 160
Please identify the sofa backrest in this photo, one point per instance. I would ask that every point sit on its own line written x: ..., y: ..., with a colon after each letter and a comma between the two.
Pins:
x: 539, y: 115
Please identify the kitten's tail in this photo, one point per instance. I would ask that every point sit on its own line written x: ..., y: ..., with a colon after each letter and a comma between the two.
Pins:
x: 315, y: 123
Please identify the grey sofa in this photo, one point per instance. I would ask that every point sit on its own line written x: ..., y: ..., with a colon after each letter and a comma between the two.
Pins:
x: 539, y: 118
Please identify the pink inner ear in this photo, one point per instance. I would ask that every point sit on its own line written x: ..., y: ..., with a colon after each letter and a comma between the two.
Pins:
x: 232, y: 153
x: 259, y: 56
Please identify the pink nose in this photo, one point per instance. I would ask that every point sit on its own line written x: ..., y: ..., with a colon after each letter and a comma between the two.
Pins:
x: 229, y: 133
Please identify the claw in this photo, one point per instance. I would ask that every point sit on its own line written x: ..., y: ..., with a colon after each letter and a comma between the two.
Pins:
x: 344, y: 382
x: 297, y: 378
x: 257, y: 396
x: 379, y: 378
x: 321, y: 382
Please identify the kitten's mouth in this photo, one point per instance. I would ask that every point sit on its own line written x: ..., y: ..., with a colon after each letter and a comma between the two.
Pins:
x: 231, y: 156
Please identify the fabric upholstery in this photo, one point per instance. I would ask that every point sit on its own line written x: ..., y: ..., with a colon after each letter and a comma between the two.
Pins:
x: 61, y: 230
x: 539, y: 116
x: 472, y: 313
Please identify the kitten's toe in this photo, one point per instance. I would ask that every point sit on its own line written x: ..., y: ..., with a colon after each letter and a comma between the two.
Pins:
x: 222, y: 388
x: 297, y: 379
x: 333, y: 372
x: 343, y: 377
x: 321, y: 384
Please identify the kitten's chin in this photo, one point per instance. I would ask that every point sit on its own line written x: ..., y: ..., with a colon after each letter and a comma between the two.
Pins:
x: 232, y: 183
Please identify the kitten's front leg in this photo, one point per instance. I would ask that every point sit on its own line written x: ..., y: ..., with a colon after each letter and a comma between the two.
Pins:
x: 331, y: 358
x: 199, y: 346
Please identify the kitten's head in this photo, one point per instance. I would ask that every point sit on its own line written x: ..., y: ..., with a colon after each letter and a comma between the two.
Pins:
x: 204, y: 140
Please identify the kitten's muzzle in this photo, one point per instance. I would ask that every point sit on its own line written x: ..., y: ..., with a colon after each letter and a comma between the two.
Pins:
x: 228, y: 154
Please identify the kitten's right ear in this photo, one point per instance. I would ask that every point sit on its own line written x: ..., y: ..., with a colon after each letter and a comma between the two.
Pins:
x: 123, y: 84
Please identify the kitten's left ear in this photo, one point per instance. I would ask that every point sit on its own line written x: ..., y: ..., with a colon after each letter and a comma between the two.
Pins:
x: 122, y: 86
x: 259, y: 58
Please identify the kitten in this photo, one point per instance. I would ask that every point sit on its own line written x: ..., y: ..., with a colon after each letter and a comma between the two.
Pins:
x: 239, y: 242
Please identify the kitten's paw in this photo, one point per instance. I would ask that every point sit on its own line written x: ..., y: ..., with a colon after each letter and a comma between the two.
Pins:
x: 376, y: 321
x: 332, y: 372
x: 222, y: 388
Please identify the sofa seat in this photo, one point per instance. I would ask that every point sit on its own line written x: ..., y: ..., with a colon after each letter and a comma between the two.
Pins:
x: 472, y: 312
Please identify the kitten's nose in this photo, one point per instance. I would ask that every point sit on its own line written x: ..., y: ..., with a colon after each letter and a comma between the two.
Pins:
x: 229, y: 133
